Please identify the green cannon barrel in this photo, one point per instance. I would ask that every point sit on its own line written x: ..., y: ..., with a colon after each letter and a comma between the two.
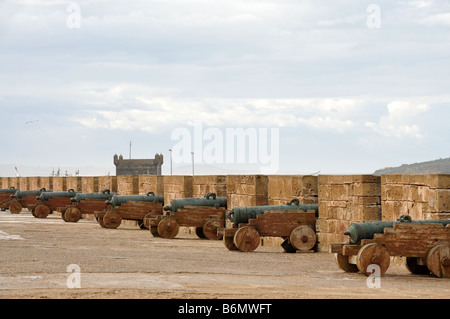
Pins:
x: 367, y: 230
x: 240, y: 215
x: 105, y: 194
x: 118, y: 200
x: 48, y: 195
x: 11, y: 190
x: 209, y: 200
x: 36, y: 192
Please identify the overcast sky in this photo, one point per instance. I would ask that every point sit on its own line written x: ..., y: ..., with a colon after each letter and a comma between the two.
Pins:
x: 351, y: 86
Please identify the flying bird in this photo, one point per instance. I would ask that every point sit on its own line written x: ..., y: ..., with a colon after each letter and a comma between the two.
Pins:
x: 32, y: 121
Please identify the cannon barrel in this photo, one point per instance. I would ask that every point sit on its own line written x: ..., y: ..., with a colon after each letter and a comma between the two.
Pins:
x: 240, y: 215
x: 11, y: 190
x: 36, y: 192
x: 367, y: 230
x: 47, y: 195
x: 118, y: 200
x: 209, y: 200
x: 105, y: 194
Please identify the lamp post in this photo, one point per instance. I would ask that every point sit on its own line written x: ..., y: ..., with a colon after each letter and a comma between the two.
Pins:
x: 170, y: 150
x: 192, y: 153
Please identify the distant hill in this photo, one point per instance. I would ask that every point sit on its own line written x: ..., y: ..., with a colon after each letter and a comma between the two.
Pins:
x: 440, y: 166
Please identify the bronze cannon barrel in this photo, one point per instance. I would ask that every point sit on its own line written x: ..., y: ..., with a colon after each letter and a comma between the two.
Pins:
x: 44, y: 196
x: 37, y: 192
x: 11, y: 190
x: 118, y: 200
x: 105, y: 194
x: 209, y: 200
x: 367, y: 230
x: 240, y: 215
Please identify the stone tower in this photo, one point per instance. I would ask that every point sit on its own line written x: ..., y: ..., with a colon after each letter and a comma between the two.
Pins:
x: 138, y: 166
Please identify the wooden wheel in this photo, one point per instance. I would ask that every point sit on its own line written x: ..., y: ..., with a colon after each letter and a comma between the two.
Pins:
x: 63, y: 216
x: 373, y: 254
x: 303, y: 238
x: 438, y: 261
x: 154, y: 231
x: 412, y: 264
x: 15, y: 207
x: 141, y: 224
x: 199, y: 232
x: 210, y: 229
x: 344, y: 264
x: 72, y: 215
x: 246, y: 239
x: 41, y: 211
x: 168, y: 228
x: 287, y: 247
x: 229, y: 243
x: 112, y: 219
x: 100, y: 222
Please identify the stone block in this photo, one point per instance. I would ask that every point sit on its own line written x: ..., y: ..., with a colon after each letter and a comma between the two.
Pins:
x: 90, y: 184
x: 151, y: 183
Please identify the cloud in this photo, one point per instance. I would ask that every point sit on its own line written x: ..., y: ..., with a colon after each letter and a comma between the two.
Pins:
x: 147, y: 66
x: 437, y: 19
x: 420, y: 4
x: 401, y: 121
x: 157, y: 114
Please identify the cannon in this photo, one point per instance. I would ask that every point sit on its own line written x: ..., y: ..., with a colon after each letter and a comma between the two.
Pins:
x: 209, y: 200
x: 360, y: 231
x: 28, y: 199
x: 52, y: 201
x: 424, y: 244
x: 293, y: 222
x: 206, y: 214
x: 129, y: 207
x: 118, y: 200
x: 5, y: 197
x: 240, y: 215
x: 86, y: 204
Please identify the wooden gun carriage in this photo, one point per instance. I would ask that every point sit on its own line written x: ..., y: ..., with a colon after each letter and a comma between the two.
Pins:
x: 25, y: 199
x: 425, y: 245
x: 5, y: 197
x: 86, y: 204
x: 130, y: 207
x: 52, y: 201
x: 206, y: 214
x: 293, y: 222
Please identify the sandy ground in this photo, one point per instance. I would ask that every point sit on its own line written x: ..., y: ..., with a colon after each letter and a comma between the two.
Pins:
x: 38, y: 256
